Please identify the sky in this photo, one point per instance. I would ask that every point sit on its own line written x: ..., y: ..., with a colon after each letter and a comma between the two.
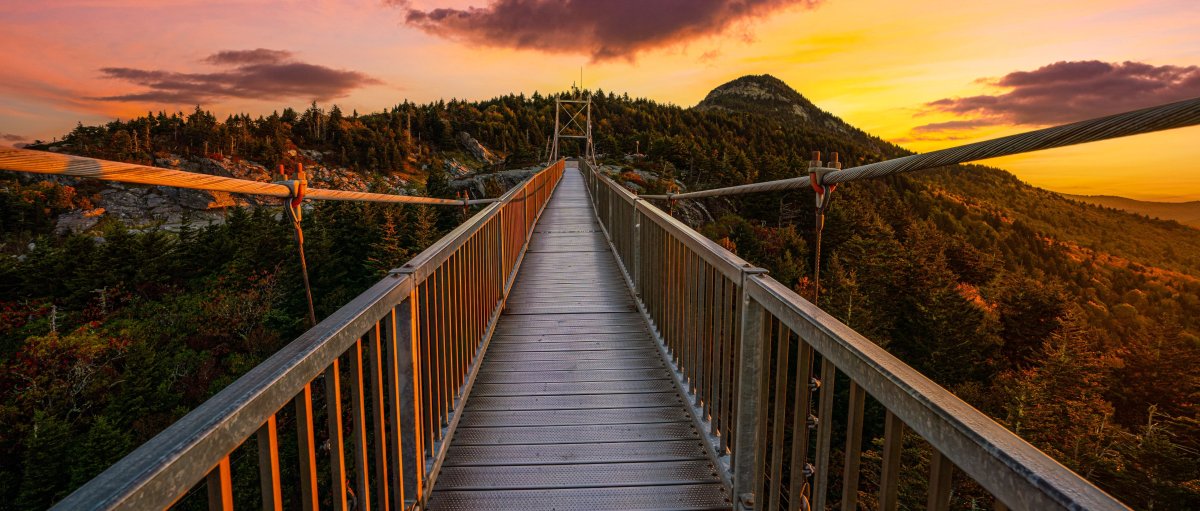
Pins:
x: 926, y: 74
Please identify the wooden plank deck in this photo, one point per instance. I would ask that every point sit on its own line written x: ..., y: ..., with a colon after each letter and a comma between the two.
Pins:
x: 574, y: 407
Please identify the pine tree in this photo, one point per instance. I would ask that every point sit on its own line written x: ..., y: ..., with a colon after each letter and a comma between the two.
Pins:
x: 388, y: 250
x: 104, y: 444
x: 47, y: 450
x: 422, y: 226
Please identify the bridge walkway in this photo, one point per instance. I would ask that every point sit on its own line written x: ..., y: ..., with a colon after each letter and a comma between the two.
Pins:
x: 574, y: 406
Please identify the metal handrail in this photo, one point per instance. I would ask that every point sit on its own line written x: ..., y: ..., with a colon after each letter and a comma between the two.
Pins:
x: 732, y: 353
x: 423, y: 329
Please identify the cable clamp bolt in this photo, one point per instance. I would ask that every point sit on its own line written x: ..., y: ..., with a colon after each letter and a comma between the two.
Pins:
x: 816, y: 177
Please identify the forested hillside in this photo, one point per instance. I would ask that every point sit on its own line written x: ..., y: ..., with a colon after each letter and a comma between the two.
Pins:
x: 1076, y: 326
x: 1186, y: 213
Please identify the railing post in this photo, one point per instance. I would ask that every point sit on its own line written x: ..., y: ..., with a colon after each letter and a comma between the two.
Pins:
x: 635, y: 270
x: 746, y: 473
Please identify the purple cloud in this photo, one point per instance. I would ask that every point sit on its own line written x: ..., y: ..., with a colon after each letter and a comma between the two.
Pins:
x: 605, y: 30
x: 257, y: 56
x: 1072, y: 91
x: 9, y: 137
x: 251, y: 74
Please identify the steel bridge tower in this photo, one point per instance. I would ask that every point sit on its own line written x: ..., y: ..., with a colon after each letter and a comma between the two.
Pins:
x: 576, y: 111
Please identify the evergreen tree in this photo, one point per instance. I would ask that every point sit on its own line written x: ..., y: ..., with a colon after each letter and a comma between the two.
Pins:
x: 104, y: 444
x: 46, y: 449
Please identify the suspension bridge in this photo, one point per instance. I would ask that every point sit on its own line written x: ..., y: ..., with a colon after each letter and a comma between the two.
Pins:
x: 573, y: 346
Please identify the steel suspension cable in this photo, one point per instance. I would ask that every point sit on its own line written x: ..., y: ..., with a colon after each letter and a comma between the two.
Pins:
x: 1170, y: 116
x: 42, y: 162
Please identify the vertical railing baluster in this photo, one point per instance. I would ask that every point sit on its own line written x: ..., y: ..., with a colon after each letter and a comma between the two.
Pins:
x: 359, y: 423
x: 448, y: 343
x: 690, y: 338
x: 477, y: 285
x: 733, y: 323
x: 449, y: 296
x: 471, y: 308
x: 941, y: 471
x: 802, y: 407
x: 710, y: 340
x: 393, y: 407
x: 502, y: 263
x: 454, y: 325
x: 428, y: 380
x: 337, y: 449
x: 677, y: 297
x: 668, y: 298
x: 719, y: 353
x: 893, y: 443
x: 462, y: 319
x: 698, y: 331
x: 378, y: 411
x: 220, y: 487
x: 452, y: 357
x: 268, y: 465
x: 660, y: 284
x: 850, y: 468
x: 824, y: 432
x: 770, y: 323
x: 782, y: 354
x: 635, y: 266
x: 440, y: 347
x: 307, y: 450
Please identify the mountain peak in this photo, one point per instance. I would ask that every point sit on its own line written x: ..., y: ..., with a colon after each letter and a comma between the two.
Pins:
x: 760, y: 94
x: 774, y: 100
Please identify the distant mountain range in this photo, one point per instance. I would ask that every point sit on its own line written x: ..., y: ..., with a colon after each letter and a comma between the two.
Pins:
x: 1186, y: 213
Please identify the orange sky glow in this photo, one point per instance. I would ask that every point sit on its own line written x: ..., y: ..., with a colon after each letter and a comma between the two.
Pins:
x: 878, y: 64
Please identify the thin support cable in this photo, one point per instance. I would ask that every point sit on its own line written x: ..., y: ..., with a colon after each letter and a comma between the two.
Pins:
x: 293, y: 207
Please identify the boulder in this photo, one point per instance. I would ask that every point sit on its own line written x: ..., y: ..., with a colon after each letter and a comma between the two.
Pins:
x: 477, y: 149
x: 77, y: 221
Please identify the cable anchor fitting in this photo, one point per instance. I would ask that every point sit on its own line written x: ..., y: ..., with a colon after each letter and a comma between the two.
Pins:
x: 817, y: 171
x: 296, y: 187
x: 464, y: 196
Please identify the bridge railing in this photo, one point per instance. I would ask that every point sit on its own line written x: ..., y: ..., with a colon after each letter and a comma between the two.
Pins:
x: 762, y: 362
x: 388, y: 370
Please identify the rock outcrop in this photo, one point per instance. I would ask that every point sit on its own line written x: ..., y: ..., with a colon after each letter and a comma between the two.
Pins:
x: 142, y: 206
x: 477, y: 149
x: 494, y: 183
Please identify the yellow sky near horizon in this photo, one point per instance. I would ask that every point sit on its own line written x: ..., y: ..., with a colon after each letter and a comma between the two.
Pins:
x: 874, y: 63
